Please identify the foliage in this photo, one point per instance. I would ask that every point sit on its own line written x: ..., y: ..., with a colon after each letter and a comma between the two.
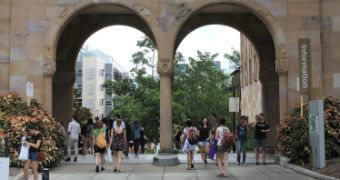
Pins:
x: 234, y: 58
x: 81, y: 113
x: 293, y: 133
x: 200, y: 90
x: 15, y: 116
x: 146, y: 55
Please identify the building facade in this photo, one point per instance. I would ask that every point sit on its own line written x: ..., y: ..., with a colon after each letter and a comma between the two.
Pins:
x: 94, y: 67
x: 251, y: 86
x: 40, y: 40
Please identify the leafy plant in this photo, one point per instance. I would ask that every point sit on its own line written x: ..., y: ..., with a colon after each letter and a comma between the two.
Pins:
x: 293, y: 132
x: 15, y: 116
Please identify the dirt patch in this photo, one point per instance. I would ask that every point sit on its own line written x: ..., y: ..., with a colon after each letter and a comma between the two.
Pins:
x: 331, y: 169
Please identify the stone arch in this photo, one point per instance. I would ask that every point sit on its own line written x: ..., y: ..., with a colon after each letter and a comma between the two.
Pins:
x: 261, y: 27
x: 68, y: 33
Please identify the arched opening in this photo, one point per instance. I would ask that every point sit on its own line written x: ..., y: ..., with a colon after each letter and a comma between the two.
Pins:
x: 81, y: 26
x: 252, y: 27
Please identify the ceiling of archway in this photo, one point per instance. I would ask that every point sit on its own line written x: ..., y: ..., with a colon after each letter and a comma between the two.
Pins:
x: 224, y: 8
x: 106, y: 9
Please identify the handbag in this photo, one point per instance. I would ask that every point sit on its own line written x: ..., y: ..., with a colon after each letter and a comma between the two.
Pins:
x: 41, y: 156
x: 24, y: 153
x: 212, y: 151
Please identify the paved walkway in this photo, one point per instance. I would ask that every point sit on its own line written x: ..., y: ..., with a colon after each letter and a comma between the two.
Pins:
x: 148, y: 158
x: 150, y: 172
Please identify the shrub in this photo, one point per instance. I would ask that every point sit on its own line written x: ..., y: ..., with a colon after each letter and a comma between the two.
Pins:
x: 293, y: 132
x: 15, y: 116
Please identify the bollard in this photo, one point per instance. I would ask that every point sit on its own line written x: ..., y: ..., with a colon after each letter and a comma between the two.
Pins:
x: 45, y: 173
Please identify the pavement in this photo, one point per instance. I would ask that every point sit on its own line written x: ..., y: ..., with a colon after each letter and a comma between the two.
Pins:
x: 151, y: 172
x: 141, y: 168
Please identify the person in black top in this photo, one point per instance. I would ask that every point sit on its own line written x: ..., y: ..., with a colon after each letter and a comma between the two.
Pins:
x: 34, y: 143
x: 204, y: 138
x: 241, y: 137
x: 178, y: 138
x: 261, y: 128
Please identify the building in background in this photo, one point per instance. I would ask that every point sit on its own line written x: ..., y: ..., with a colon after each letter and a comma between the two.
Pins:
x: 251, y: 86
x: 94, y: 67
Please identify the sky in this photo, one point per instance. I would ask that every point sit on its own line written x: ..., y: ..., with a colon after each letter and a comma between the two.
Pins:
x: 120, y: 42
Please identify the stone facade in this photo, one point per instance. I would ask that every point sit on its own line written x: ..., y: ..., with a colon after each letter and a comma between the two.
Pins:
x: 34, y: 33
x: 251, y: 86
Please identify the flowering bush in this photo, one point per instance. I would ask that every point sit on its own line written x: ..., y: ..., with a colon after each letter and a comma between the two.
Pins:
x: 293, y: 132
x: 15, y: 116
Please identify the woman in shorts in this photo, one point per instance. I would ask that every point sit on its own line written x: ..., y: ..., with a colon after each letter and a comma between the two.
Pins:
x: 99, y: 152
x: 204, y: 138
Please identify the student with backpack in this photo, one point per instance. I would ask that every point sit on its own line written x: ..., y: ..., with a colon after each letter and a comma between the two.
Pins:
x: 100, y: 142
x: 88, y: 135
x: 225, y: 141
x: 189, y: 141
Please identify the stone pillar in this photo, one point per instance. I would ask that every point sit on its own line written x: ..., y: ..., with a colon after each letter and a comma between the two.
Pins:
x: 62, y: 96
x: 165, y: 70
x: 48, y: 72
x: 282, y: 70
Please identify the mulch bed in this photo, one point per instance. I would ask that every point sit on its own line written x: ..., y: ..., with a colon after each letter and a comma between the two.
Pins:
x: 332, y: 168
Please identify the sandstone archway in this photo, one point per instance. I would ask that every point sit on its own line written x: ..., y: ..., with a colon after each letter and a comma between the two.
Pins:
x: 75, y: 31
x: 249, y: 23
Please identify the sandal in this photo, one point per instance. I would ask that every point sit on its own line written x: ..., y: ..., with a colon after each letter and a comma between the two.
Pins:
x: 114, y: 170
x: 220, y: 175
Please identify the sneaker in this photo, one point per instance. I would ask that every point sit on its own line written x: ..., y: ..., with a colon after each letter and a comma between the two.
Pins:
x: 97, y: 169
x: 239, y: 163
x: 75, y: 159
x: 192, y: 166
x: 205, y: 162
x: 68, y: 159
x: 243, y: 164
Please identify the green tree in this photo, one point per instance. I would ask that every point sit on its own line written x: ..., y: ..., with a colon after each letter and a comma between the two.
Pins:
x: 146, y: 55
x: 234, y: 58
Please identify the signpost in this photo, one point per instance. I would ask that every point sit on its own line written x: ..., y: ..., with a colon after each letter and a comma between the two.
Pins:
x: 234, y: 104
x: 4, y: 168
x: 304, y: 69
x: 29, y: 92
x: 317, y: 133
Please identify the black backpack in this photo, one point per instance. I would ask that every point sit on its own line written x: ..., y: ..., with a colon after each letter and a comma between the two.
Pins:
x: 192, y: 136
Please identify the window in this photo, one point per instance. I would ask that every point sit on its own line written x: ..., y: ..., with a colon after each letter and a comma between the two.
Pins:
x: 102, y: 72
x: 108, y: 103
x: 101, y: 102
x: 79, y: 102
x: 255, y: 69
x: 90, y: 103
x: 80, y: 88
x: 90, y: 88
x: 90, y: 73
x: 250, y: 71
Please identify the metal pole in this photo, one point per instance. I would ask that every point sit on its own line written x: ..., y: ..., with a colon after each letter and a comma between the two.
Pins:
x: 301, y: 105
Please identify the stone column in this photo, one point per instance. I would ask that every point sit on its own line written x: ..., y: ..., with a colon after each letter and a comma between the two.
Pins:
x: 48, y: 72
x: 62, y: 96
x: 282, y: 69
x: 165, y: 70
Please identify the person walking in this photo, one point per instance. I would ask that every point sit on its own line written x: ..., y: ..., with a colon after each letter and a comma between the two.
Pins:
x: 128, y: 138
x: 73, y: 132
x: 241, y: 132
x: 35, y: 144
x: 178, y: 135
x: 88, y: 136
x: 261, y: 128
x: 222, y: 152
x: 136, y: 136
x: 142, y: 140
x: 99, y: 151
x: 189, y: 141
x: 118, y: 145
x: 204, y: 132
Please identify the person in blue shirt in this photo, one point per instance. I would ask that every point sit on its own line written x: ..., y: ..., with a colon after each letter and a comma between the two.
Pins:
x: 241, y: 137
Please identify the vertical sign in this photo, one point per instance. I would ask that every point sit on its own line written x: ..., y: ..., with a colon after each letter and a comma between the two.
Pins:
x: 234, y: 104
x: 29, y: 89
x: 305, y: 66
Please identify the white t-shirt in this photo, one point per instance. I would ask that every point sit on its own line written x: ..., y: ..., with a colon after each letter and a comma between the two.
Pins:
x: 115, y: 124
x: 221, y: 134
x: 74, y: 129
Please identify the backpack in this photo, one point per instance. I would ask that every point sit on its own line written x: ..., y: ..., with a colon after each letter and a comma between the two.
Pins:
x: 228, y: 138
x: 101, y: 141
x: 192, y: 136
